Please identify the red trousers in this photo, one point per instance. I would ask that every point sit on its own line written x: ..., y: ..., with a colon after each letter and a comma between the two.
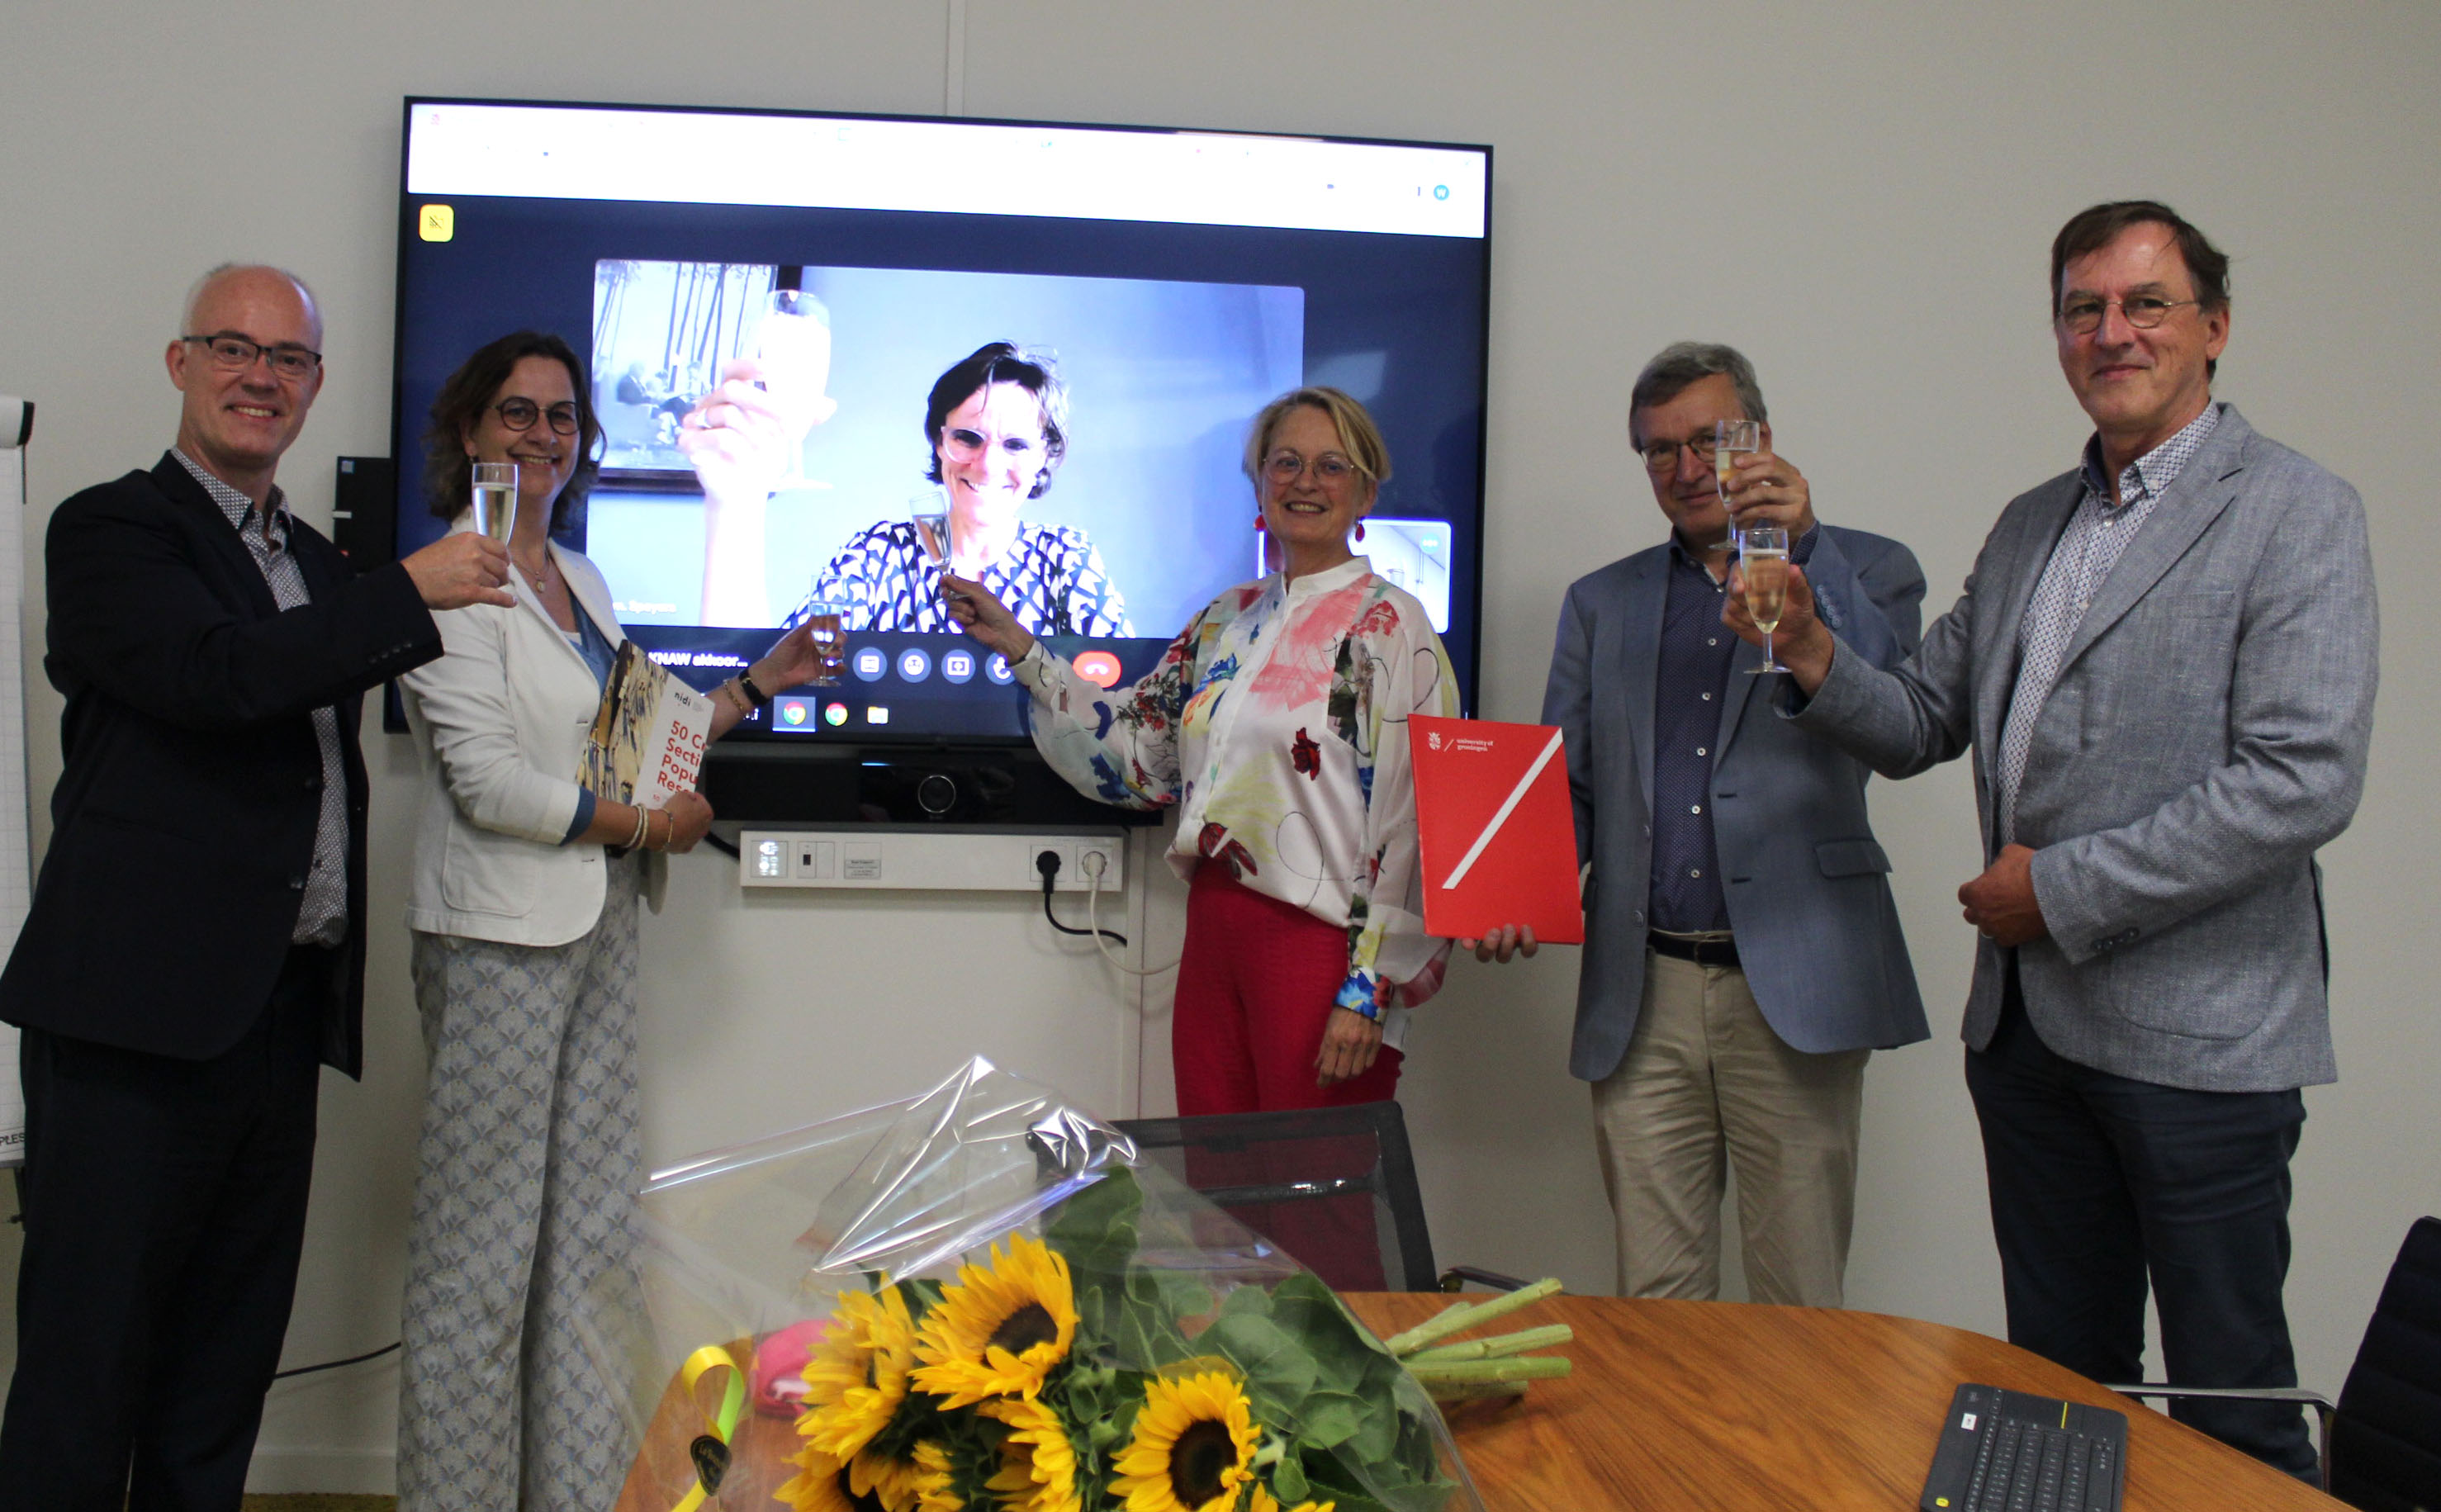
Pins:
x: 1255, y: 989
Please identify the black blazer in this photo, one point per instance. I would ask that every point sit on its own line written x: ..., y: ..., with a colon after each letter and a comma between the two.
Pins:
x: 183, y: 824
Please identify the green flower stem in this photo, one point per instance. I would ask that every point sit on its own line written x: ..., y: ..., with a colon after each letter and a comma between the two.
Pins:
x: 1456, y: 1393
x: 1497, y: 1346
x: 1523, y: 1367
x: 1469, y: 1315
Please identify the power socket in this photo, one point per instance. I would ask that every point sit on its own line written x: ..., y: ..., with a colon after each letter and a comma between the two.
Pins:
x: 1098, y: 858
x: 1065, y: 850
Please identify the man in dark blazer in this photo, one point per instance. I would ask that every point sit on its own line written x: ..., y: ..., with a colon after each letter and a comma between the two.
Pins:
x: 2163, y: 665
x: 1742, y: 953
x: 195, y: 952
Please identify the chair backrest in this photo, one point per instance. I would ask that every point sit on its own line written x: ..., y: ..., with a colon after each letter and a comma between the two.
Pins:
x: 1335, y: 1187
x: 2386, y: 1438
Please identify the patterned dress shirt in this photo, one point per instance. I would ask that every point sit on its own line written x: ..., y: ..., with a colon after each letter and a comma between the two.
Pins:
x: 1051, y: 578
x: 1690, y: 685
x: 2097, y: 533
x: 322, y: 918
x: 1277, y: 722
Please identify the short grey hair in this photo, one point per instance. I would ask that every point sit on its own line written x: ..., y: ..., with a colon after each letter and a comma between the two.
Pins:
x: 196, y: 289
x: 1682, y: 365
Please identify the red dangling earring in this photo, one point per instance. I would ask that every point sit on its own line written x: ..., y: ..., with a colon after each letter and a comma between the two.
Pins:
x: 1260, y: 525
x: 1360, y: 530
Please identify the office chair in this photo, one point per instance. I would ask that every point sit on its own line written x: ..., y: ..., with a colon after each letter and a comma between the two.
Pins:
x: 2382, y: 1441
x: 1335, y: 1187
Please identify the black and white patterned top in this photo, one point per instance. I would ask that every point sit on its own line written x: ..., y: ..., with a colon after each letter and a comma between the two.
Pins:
x: 322, y: 917
x: 1051, y: 578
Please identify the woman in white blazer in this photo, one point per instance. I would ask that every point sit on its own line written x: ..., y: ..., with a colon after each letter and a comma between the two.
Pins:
x: 523, y: 908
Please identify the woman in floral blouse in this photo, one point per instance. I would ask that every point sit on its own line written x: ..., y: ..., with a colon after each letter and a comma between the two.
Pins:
x: 1277, y: 722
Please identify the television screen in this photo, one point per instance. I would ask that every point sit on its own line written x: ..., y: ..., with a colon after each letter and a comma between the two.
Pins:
x: 1158, y: 287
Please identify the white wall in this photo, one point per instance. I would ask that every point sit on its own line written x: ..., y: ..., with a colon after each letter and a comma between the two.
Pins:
x: 1860, y: 196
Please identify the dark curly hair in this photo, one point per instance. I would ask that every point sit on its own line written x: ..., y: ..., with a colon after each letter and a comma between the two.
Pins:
x: 1000, y: 362
x: 459, y: 409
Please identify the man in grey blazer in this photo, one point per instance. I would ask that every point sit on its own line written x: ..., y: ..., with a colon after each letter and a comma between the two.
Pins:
x: 2163, y: 665
x: 1743, y: 954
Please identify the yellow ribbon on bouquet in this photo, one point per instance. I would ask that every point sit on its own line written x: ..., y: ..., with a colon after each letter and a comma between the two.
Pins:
x: 710, y: 1450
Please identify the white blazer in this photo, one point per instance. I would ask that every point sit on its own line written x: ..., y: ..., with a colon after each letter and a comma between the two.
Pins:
x: 500, y: 722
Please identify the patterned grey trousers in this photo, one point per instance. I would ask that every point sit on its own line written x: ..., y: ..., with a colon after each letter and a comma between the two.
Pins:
x: 524, y: 1197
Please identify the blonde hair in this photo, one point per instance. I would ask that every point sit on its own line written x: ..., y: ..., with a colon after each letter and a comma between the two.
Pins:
x: 1358, y: 436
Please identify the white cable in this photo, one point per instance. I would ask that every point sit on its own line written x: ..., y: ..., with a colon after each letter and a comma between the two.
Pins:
x: 1093, y: 919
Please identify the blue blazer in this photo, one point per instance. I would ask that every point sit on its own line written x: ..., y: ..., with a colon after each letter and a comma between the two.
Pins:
x: 1807, y: 884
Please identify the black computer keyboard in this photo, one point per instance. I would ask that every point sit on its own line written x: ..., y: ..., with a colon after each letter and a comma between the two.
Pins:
x: 2006, y: 1452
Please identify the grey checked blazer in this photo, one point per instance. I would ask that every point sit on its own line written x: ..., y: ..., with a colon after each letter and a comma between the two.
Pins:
x: 1807, y: 884
x: 2206, y: 736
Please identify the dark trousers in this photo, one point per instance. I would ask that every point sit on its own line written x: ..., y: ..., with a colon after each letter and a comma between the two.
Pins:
x: 165, y: 1211
x: 2099, y: 1182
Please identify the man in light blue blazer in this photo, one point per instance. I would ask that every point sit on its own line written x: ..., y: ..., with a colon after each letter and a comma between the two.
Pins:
x: 1743, y: 954
x: 2163, y: 665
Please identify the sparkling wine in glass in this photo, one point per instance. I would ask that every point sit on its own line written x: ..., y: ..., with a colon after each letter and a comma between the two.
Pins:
x: 494, y: 490
x: 930, y: 510
x: 1731, y: 439
x: 1763, y: 568
x: 826, y: 616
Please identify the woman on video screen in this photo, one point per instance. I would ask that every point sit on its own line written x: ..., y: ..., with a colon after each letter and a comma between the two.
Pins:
x: 995, y: 426
x: 522, y: 903
x: 1278, y: 720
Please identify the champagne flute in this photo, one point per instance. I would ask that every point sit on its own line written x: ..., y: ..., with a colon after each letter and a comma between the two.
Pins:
x: 929, y: 510
x: 824, y: 614
x: 494, y: 490
x: 1731, y: 439
x: 1762, y: 565
x: 792, y: 346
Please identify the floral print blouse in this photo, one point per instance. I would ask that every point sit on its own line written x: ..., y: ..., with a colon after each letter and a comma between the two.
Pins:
x: 1277, y: 723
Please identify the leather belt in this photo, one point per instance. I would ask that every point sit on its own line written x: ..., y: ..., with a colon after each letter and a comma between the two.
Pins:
x: 1702, y: 952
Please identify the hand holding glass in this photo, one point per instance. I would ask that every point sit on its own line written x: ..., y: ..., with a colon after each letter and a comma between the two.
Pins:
x: 1762, y: 572
x: 494, y: 487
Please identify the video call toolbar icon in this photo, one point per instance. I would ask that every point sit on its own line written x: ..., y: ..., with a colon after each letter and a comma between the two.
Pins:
x: 996, y: 667
x: 914, y: 664
x: 870, y: 663
x: 958, y: 666
x: 1099, y: 668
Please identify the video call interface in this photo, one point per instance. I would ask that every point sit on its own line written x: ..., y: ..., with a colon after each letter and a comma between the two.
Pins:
x: 1167, y: 333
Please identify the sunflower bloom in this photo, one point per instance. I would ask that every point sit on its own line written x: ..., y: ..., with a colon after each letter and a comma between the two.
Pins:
x: 857, y: 1375
x: 1038, y: 1469
x: 879, y: 1481
x: 821, y: 1484
x: 933, y: 1474
x: 1193, y: 1446
x: 1000, y: 1329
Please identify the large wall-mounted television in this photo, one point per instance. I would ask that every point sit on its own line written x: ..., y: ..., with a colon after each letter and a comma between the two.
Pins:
x: 1174, y: 280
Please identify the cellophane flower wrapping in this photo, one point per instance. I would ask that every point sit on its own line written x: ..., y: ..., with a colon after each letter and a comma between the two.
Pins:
x: 980, y: 1298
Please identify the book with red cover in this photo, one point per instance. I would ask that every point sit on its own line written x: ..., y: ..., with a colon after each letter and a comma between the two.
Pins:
x: 1498, y: 839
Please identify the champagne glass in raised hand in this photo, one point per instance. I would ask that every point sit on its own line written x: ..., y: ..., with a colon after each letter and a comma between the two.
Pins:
x: 825, y: 617
x: 1731, y: 439
x: 1763, y: 581
x: 792, y: 347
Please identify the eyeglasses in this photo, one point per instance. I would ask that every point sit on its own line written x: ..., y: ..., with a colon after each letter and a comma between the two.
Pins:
x: 966, y: 445
x: 520, y: 414
x: 232, y: 352
x: 2083, y: 315
x: 1285, y: 467
x: 1661, y: 456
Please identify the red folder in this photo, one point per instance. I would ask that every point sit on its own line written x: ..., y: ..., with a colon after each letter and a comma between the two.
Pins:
x: 1499, y: 841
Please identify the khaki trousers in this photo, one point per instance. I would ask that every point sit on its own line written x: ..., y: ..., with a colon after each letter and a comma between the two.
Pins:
x: 1707, y: 1086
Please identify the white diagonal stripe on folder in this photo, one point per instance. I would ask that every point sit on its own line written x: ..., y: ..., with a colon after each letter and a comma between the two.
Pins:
x: 1516, y: 796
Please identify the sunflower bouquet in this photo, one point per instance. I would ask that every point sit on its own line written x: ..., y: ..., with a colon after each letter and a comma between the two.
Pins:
x: 1067, y: 1373
x: 982, y: 1299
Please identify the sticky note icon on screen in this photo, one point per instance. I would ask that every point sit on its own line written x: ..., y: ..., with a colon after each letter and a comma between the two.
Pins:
x: 436, y: 223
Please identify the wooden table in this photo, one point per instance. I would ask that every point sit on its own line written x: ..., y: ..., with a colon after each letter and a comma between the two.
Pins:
x: 1683, y: 1405
x: 1710, y: 1404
